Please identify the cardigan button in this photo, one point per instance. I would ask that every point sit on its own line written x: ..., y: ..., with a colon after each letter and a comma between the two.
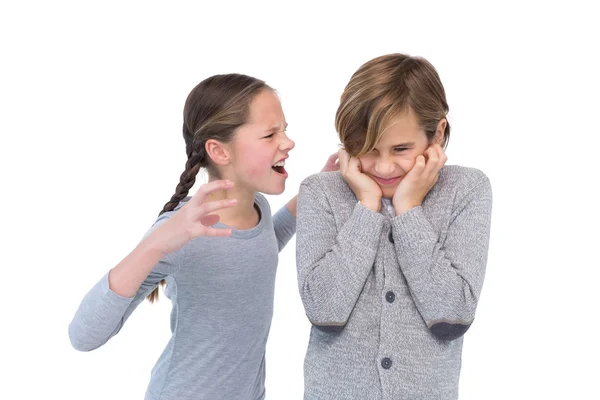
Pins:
x: 386, y: 363
x: 390, y: 297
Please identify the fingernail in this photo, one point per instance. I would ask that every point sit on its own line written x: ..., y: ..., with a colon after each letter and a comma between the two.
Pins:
x: 232, y: 201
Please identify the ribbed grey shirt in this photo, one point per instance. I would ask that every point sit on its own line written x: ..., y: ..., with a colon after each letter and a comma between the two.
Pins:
x: 222, y: 294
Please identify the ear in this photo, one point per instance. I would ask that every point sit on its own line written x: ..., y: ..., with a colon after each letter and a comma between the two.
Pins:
x: 439, y: 131
x: 218, y: 152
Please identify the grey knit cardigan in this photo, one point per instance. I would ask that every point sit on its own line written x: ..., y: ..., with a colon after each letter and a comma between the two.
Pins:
x: 390, y: 299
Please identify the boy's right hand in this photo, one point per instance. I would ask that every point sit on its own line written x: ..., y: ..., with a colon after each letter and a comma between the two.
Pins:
x: 367, y: 191
x: 193, y: 219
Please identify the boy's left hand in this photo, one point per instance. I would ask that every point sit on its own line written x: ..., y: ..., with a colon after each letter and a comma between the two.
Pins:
x: 420, y: 179
x: 332, y: 163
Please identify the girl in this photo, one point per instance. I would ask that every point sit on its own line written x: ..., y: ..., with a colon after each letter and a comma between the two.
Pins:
x: 221, y: 288
x: 392, y: 250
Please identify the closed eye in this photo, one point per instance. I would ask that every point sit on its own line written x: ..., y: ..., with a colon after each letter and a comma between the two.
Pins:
x: 400, y: 149
x: 276, y: 129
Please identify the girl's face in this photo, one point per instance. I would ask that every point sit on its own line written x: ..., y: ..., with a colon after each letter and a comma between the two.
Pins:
x: 261, y: 146
x: 396, y: 152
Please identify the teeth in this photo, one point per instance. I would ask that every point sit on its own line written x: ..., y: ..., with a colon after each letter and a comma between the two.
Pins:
x: 280, y: 164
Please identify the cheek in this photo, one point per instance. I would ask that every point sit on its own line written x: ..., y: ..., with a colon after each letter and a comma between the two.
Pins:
x: 252, y: 160
x: 366, y: 163
x: 252, y: 170
x: 407, y: 164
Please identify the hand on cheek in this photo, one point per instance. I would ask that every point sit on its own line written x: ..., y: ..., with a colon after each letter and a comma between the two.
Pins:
x: 367, y: 191
x: 420, y: 179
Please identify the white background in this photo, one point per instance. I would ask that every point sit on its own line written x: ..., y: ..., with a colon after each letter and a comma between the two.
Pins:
x: 91, y: 103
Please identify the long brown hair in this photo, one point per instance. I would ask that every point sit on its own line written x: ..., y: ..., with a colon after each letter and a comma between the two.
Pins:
x: 380, y: 90
x: 214, y: 109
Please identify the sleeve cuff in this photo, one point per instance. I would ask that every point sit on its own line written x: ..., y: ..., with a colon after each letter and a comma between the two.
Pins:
x: 412, y: 228
x: 365, y: 228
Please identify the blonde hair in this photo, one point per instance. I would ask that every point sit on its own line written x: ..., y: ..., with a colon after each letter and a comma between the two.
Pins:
x: 383, y: 88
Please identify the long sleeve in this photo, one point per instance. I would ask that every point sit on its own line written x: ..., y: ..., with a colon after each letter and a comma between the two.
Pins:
x: 102, y: 312
x: 333, y: 265
x: 284, y: 224
x: 445, y: 279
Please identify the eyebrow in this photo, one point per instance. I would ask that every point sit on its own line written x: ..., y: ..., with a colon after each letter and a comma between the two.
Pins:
x: 277, y: 128
x: 407, y: 144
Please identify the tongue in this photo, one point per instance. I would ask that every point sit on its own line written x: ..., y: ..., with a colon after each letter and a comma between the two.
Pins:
x: 280, y: 170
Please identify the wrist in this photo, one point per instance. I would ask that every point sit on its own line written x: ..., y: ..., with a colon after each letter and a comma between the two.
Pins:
x: 403, y: 207
x: 155, y: 243
x: 371, y: 204
x: 292, y: 206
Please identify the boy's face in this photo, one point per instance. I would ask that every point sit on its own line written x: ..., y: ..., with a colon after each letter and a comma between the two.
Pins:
x: 395, y: 153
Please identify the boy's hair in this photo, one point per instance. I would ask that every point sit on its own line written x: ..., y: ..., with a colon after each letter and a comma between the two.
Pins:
x: 214, y: 109
x: 382, y: 89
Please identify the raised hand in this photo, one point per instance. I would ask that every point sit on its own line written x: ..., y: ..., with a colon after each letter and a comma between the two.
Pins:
x: 367, y: 191
x: 194, y: 219
x: 332, y: 163
x: 420, y: 179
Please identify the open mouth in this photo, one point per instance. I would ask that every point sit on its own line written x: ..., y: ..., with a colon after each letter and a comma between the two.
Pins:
x: 280, y: 167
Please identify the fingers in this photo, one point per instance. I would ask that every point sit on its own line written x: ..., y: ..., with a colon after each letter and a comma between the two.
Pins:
x: 212, y: 206
x: 436, y: 158
x: 431, y: 167
x: 333, y: 158
x: 209, y: 188
x: 419, y: 166
x: 205, y: 227
x: 343, y: 158
x: 332, y: 163
x: 442, y: 154
x: 209, y: 220
x: 354, y: 165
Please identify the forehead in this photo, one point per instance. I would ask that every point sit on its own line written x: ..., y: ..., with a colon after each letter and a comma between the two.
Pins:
x: 403, y: 128
x: 266, y: 109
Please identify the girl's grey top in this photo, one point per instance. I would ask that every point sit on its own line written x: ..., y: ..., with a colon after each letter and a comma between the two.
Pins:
x: 222, y: 294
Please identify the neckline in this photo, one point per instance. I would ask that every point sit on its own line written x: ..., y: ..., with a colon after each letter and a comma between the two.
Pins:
x: 247, y: 233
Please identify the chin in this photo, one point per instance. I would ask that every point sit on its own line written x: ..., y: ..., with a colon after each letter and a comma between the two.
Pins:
x: 388, y: 193
x: 273, y: 190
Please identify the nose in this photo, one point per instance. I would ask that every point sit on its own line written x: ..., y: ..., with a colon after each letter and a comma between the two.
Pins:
x: 384, y: 167
x: 286, y: 144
